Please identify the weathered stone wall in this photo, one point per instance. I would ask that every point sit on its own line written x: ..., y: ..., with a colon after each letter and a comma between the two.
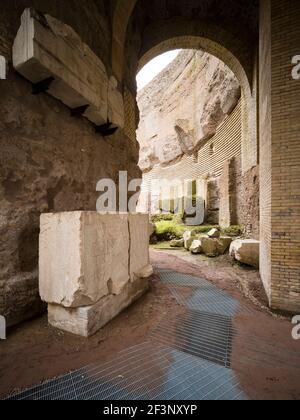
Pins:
x: 49, y: 161
x: 183, y: 107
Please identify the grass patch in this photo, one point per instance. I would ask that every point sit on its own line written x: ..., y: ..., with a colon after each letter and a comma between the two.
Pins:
x: 233, y: 231
x: 167, y: 230
x: 165, y: 246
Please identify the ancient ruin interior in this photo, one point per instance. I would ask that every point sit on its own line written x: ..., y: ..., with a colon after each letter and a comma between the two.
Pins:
x: 147, y: 233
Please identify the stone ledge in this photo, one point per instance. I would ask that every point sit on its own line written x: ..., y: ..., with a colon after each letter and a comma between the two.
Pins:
x: 47, y: 48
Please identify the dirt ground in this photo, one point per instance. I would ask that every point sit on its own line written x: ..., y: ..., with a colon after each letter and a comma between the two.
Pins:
x: 35, y: 351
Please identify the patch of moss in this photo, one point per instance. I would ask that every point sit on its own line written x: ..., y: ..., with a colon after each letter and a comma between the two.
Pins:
x: 165, y: 246
x: 162, y: 217
x: 202, y: 229
x: 168, y: 230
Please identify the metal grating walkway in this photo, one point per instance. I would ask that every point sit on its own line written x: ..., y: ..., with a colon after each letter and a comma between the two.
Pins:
x: 184, y: 358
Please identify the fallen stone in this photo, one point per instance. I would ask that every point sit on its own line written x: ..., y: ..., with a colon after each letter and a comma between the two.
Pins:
x: 86, y: 321
x: 246, y: 251
x: 177, y: 243
x: 223, y: 244
x: 84, y: 256
x: 210, y: 247
x: 214, y: 233
x: 196, y: 247
x: 213, y: 247
x: 188, y: 238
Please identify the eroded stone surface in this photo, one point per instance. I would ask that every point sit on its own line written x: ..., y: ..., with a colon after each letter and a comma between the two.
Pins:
x: 177, y: 243
x: 246, y: 251
x: 84, y: 256
x: 47, y: 48
x: 212, y: 247
x: 194, y: 81
x: 214, y: 233
x: 196, y: 247
x: 88, y: 320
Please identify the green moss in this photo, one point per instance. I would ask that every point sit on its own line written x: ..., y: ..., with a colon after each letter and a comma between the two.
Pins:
x: 233, y: 231
x: 161, y: 217
x: 168, y: 230
x: 165, y: 246
x: 202, y: 229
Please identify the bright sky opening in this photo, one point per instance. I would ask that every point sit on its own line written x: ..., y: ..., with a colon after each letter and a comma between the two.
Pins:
x: 154, y: 67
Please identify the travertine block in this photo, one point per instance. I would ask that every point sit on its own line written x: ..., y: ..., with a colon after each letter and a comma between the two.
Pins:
x: 45, y: 47
x: 139, y: 246
x: 84, y: 256
x: 88, y: 320
x: 246, y: 251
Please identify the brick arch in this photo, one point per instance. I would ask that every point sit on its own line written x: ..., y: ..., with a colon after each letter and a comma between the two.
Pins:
x: 162, y: 36
x: 152, y: 48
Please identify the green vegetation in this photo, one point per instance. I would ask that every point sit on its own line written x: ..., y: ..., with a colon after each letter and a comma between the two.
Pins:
x: 168, y: 230
x: 233, y: 231
x: 165, y: 246
x: 162, y: 217
x: 169, y: 227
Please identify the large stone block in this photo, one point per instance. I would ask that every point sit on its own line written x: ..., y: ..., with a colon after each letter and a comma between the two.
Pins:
x: 88, y: 320
x: 84, y: 256
x: 246, y: 251
x: 213, y: 247
x: 139, y: 246
x: 47, y: 48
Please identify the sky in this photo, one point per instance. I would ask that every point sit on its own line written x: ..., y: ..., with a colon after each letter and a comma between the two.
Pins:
x: 154, y: 67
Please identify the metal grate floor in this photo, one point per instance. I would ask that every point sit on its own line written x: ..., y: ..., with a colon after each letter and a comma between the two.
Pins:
x: 206, y: 336
x: 187, y: 357
x: 145, y: 372
x: 199, y: 295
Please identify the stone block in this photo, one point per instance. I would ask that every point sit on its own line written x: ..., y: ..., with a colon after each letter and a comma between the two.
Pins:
x: 213, y: 247
x: 3, y: 68
x: 47, y: 48
x: 196, y: 247
x: 188, y: 238
x: 86, y: 321
x: 223, y: 244
x: 139, y: 246
x: 177, y: 243
x: 246, y: 251
x: 84, y: 256
x: 210, y: 247
x: 214, y: 233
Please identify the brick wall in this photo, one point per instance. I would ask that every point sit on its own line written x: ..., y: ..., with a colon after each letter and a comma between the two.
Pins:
x: 280, y: 153
x: 226, y: 144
